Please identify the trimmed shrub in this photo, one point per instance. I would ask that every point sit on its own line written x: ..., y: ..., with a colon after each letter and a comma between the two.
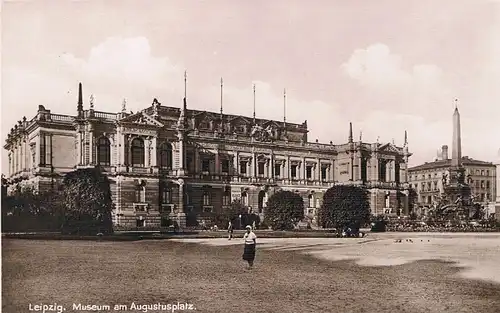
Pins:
x: 345, y: 207
x: 284, y: 210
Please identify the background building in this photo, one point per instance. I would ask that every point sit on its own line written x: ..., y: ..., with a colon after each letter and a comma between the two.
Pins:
x: 427, y: 179
x: 169, y: 162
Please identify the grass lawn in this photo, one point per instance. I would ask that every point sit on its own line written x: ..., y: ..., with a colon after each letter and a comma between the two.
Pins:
x: 213, y: 279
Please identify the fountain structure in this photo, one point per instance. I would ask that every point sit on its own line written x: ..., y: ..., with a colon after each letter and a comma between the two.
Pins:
x: 456, y: 201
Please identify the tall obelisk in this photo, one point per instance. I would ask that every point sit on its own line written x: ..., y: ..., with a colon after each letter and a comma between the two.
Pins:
x: 456, y: 153
x: 457, y: 188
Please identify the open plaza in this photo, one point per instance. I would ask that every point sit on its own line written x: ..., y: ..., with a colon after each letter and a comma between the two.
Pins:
x: 383, y: 272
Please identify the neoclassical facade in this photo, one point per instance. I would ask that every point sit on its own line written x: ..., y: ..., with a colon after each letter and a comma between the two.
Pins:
x: 172, y: 162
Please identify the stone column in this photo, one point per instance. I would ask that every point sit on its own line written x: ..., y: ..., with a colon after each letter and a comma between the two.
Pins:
x: 271, y: 166
x: 332, y: 171
x: 303, y: 169
x: 286, y: 168
x: 388, y: 171
x: 23, y: 155
x: 14, y: 159
x: 217, y: 162
x: 91, y: 146
x: 197, y: 160
x: 254, y: 165
x: 154, y: 152
x: 318, y: 170
x: 393, y: 170
x: 147, y: 151
x: 236, y: 165
x: 37, y: 150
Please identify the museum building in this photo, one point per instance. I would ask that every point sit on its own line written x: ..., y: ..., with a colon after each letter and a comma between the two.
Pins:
x: 168, y: 162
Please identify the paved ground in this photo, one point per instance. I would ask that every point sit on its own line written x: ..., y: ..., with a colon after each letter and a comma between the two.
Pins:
x: 477, y: 253
x: 212, y: 278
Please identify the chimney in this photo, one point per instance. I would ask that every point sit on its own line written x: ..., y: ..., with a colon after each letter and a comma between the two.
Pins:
x: 444, y: 152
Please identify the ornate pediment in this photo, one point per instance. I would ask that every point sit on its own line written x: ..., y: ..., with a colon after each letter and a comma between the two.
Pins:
x: 207, y: 116
x: 389, y: 147
x: 240, y: 120
x: 142, y: 118
x: 273, y: 124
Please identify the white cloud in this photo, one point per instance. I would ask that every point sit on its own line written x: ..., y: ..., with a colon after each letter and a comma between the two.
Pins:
x: 124, y: 59
x: 417, y: 89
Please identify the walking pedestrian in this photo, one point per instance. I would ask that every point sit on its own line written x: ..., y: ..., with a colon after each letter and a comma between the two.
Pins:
x: 230, y: 230
x: 250, y: 242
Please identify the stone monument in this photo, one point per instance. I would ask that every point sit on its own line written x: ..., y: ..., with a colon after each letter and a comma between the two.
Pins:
x: 457, y: 191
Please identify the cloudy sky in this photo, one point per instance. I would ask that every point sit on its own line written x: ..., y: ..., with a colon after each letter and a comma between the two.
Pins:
x: 386, y: 66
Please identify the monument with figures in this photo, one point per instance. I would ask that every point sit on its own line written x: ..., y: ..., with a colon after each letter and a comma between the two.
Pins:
x: 456, y: 201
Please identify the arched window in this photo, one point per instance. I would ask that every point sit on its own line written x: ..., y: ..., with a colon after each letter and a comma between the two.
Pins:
x: 137, y: 150
x: 103, y: 151
x: 166, y: 155
x: 311, y: 201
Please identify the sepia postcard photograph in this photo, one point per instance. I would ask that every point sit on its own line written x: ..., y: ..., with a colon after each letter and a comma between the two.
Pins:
x: 333, y: 156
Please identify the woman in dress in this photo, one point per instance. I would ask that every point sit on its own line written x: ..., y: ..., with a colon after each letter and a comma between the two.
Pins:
x: 250, y: 242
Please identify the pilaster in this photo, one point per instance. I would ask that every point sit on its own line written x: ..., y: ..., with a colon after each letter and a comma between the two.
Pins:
x: 318, y: 170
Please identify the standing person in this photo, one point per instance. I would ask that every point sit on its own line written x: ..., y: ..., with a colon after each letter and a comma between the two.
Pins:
x: 250, y: 242
x: 230, y: 230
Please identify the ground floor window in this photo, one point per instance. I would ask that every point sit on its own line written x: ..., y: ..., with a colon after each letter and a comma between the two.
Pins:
x: 140, y: 223
x: 206, y: 198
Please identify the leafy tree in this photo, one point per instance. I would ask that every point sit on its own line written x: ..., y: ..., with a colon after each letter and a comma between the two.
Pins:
x: 345, y: 207
x: 230, y: 213
x: 284, y: 210
x: 86, y: 196
x: 26, y: 209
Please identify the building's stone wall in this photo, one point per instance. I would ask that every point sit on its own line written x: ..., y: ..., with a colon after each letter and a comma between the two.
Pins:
x: 73, y: 142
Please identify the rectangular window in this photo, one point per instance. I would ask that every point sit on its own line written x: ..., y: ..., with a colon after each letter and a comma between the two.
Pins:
x: 167, y: 196
x: 487, y: 184
x: 261, y: 168
x: 243, y: 167
x: 323, y: 173
x: 226, y: 199
x: 277, y: 170
x: 309, y: 172
x: 225, y: 166
x: 293, y: 171
x: 206, y: 199
x: 205, y: 165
